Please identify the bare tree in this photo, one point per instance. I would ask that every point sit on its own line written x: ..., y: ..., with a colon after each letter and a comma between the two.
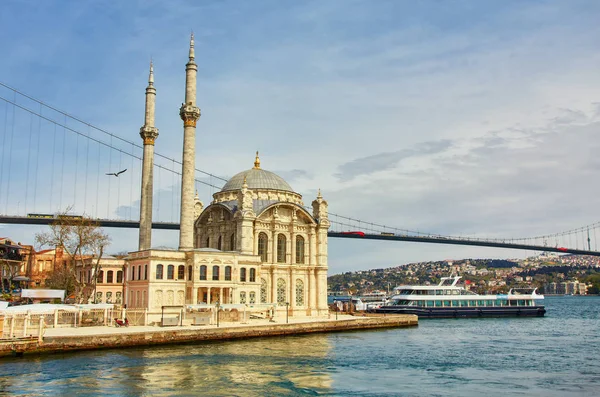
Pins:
x: 80, y: 238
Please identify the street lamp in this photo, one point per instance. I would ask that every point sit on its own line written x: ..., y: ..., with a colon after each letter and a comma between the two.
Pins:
x: 218, y: 307
x: 287, y: 312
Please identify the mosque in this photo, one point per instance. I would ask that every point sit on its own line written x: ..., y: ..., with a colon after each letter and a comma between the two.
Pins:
x: 255, y: 243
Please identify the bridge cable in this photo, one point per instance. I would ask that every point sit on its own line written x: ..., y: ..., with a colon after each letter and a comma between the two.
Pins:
x: 37, y: 161
x: 109, y: 181
x: 62, y: 170
x: 10, y: 151
x: 87, y: 161
x: 98, y: 179
x: 3, y: 146
x: 28, y: 161
x: 52, y: 172
x: 131, y: 183
x: 116, y: 148
x: 94, y: 127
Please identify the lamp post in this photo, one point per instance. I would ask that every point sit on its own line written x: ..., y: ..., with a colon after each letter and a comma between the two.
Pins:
x: 287, y: 312
x: 218, y: 307
x: 336, y: 310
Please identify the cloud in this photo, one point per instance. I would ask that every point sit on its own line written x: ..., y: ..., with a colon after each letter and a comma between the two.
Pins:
x: 384, y: 161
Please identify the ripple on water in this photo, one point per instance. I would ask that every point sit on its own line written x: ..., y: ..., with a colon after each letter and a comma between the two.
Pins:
x: 552, y: 356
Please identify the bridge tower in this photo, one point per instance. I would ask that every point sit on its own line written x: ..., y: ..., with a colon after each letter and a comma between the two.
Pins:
x: 149, y: 133
x: 190, y: 114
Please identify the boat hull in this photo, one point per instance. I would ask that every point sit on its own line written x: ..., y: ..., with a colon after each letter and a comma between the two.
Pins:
x: 464, y: 312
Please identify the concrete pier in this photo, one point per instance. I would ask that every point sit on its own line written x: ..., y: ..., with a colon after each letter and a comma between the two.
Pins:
x: 58, y: 340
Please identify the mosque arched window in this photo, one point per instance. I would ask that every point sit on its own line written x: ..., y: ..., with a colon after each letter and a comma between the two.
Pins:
x: 243, y: 274
x: 281, y: 241
x: 207, y: 242
x: 215, y: 270
x: 181, y: 272
x: 159, y: 272
x: 252, y: 277
x: 203, y: 272
x: 227, y: 273
x: 190, y: 272
x: 219, y: 243
x: 232, y: 242
x: 170, y: 272
x: 119, y: 276
x: 109, y: 277
x: 280, y: 291
x: 299, y: 249
x: 263, y: 290
x: 299, y: 292
x: 262, y: 246
x: 139, y: 272
x: 145, y: 272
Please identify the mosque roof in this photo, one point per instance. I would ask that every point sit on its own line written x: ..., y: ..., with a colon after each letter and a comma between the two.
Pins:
x: 257, y: 178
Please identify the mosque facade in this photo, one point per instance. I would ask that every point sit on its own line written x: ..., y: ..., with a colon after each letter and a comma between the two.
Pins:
x: 254, y: 244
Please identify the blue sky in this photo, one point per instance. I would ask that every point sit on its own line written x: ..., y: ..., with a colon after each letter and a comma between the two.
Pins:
x: 456, y: 117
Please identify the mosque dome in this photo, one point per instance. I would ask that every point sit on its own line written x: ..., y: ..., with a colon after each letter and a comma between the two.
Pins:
x: 257, y: 178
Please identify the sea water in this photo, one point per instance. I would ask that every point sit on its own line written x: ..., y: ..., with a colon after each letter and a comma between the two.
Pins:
x: 557, y: 355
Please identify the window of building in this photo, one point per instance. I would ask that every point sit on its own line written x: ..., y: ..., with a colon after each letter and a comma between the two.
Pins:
x: 119, y: 276
x: 170, y: 272
x: 100, y: 278
x: 242, y: 297
x: 208, y: 242
x: 181, y: 272
x: 139, y: 272
x: 243, y: 274
x: 299, y: 249
x: 219, y: 241
x: 263, y: 241
x: 252, y: 275
x: 280, y: 291
x: 281, y: 240
x: 203, y: 272
x: 109, y: 278
x: 252, y: 297
x: 159, y: 272
x: 109, y: 297
x: 215, y: 270
x: 263, y: 290
x: 118, y: 298
x: 146, y: 272
x: 227, y: 273
x: 299, y: 292
x: 232, y: 242
x: 190, y: 270
x: 98, y: 297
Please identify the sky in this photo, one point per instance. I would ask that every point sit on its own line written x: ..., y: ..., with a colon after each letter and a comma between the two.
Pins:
x: 463, y: 118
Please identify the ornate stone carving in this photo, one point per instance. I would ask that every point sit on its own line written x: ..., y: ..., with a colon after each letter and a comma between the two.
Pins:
x: 189, y: 114
x: 149, y: 134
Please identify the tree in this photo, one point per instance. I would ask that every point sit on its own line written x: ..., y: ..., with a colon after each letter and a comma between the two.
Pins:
x: 80, y: 238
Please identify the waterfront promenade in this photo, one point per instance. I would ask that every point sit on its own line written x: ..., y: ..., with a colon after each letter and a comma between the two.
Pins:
x: 57, y: 340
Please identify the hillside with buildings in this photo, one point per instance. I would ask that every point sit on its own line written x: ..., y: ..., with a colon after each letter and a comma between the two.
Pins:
x: 551, y: 274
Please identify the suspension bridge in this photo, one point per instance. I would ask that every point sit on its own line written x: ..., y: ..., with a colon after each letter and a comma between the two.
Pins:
x: 51, y: 160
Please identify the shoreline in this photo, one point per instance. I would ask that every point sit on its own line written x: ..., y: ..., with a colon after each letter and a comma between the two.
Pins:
x: 59, y: 340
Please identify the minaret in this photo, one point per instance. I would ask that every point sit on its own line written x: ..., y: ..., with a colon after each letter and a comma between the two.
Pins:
x: 149, y: 133
x: 189, y: 114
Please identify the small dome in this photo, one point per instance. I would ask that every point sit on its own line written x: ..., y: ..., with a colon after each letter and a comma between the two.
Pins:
x: 257, y: 178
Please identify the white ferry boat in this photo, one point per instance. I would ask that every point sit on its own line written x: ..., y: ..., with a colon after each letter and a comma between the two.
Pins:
x: 447, y: 300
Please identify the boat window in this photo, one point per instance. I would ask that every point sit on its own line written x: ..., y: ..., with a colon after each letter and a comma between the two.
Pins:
x: 455, y: 303
x: 429, y: 303
x: 447, y: 303
x: 438, y: 303
x: 464, y: 303
x: 439, y: 292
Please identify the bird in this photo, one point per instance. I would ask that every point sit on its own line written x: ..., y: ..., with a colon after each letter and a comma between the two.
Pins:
x: 117, y: 173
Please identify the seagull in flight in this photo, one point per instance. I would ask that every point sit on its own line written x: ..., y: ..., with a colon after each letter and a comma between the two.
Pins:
x: 117, y: 173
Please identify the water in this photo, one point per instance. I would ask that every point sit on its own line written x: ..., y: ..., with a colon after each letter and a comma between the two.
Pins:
x: 558, y: 355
